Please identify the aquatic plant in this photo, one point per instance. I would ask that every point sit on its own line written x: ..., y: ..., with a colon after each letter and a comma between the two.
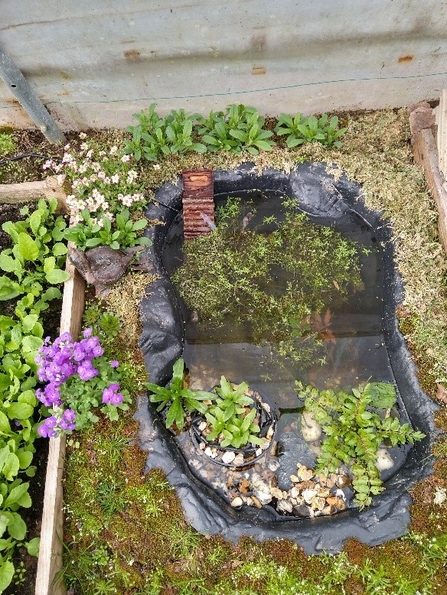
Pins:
x: 317, y: 263
x: 354, y: 431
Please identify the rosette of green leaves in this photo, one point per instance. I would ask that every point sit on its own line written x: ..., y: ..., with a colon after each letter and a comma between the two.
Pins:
x: 154, y: 136
x: 177, y: 398
x: 300, y: 129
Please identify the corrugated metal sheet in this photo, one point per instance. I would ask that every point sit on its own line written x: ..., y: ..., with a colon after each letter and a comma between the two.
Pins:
x: 97, y: 63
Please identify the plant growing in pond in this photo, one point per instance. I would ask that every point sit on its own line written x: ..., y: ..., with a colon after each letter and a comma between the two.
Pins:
x: 231, y: 416
x: 79, y: 379
x: 316, y: 263
x: 103, y: 184
x: 356, y: 424
x: 177, y: 397
x: 311, y: 129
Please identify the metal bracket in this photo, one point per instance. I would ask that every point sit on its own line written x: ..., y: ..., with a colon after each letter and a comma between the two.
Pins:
x: 23, y: 91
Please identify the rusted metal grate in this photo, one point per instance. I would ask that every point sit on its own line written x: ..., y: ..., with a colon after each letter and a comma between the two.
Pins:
x: 198, y: 202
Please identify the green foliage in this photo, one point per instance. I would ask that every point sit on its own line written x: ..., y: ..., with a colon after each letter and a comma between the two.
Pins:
x: 231, y: 416
x: 239, y: 128
x: 154, y: 136
x: 123, y: 233
x: 33, y: 267
x: 7, y: 144
x: 317, y: 266
x: 300, y: 129
x: 177, y: 398
x: 356, y: 424
x: 36, y: 258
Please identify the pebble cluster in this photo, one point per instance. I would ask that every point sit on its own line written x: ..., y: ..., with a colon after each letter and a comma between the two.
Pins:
x: 309, y: 494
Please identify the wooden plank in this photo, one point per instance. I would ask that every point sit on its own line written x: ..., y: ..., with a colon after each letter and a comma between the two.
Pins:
x: 51, y: 538
x: 31, y: 191
x: 441, y: 118
x: 426, y: 154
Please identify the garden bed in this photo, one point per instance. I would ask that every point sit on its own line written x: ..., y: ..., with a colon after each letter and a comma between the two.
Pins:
x: 160, y: 551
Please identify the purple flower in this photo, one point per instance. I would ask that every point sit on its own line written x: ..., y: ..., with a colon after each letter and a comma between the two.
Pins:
x: 116, y: 399
x: 114, y: 363
x: 87, y: 332
x: 110, y: 395
x: 86, y: 370
x: 68, y: 420
x: 47, y: 429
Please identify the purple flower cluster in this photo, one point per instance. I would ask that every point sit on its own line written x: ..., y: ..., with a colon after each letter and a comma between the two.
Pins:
x: 63, y: 359
x: 49, y: 427
x: 111, y: 395
x: 59, y: 361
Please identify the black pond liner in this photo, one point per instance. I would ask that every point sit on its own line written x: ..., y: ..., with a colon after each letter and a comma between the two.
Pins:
x: 326, y: 198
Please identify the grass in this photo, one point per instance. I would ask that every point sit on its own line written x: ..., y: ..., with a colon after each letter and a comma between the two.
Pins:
x: 125, y: 532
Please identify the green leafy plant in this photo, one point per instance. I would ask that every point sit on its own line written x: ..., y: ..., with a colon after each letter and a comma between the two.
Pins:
x: 300, y: 129
x: 177, y: 397
x: 123, y: 233
x: 7, y: 144
x: 154, y: 136
x: 239, y: 128
x: 37, y: 256
x: 233, y: 399
x: 107, y: 195
x: 356, y: 424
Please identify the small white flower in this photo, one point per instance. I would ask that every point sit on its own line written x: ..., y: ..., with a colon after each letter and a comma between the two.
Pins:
x: 156, y: 166
x: 125, y: 158
x: 113, y: 150
x: 115, y: 178
x: 440, y: 496
x: 82, y: 135
x: 60, y: 179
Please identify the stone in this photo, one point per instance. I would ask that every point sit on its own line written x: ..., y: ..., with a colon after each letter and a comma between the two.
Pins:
x: 237, y: 502
x: 228, y: 457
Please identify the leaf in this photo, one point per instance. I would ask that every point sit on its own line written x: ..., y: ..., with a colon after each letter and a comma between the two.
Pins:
x: 6, y: 574
x: 32, y: 546
x: 28, y: 248
x: 19, y: 495
x: 57, y: 276
x: 9, y: 289
x: 11, y: 466
x: 9, y: 264
x: 20, y: 411
x: 16, y: 525
x: 381, y: 394
x: 59, y: 249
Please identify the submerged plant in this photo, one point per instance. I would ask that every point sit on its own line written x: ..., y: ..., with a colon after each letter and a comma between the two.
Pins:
x: 356, y: 423
x: 317, y: 266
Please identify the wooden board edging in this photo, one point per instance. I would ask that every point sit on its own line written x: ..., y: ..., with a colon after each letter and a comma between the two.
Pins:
x: 51, y: 537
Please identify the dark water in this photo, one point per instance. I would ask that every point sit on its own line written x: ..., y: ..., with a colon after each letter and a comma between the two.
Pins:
x: 353, y: 342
